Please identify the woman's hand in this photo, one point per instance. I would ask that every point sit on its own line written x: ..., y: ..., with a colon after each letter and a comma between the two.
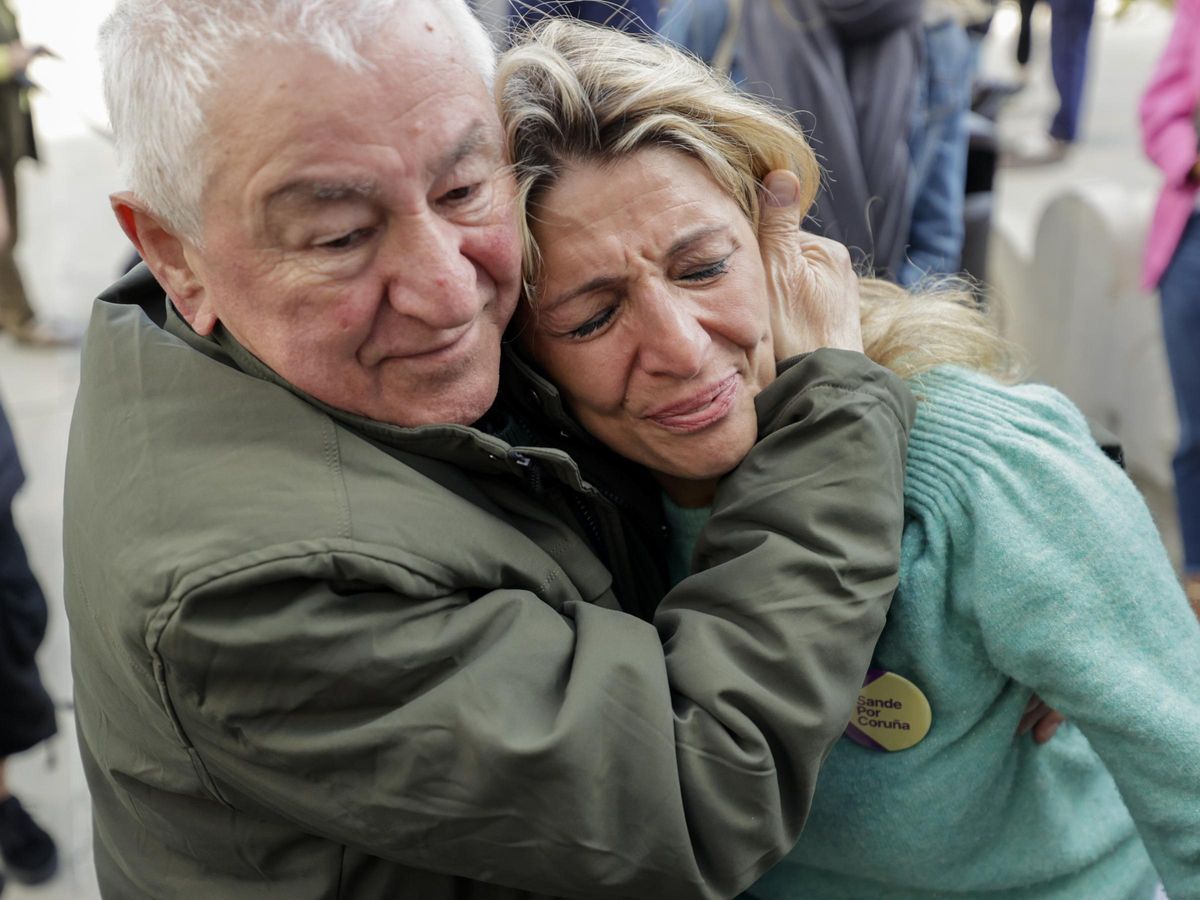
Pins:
x: 1041, y: 719
x: 812, y: 285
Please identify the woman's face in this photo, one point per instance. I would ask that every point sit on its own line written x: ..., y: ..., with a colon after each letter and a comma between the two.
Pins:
x: 651, y: 315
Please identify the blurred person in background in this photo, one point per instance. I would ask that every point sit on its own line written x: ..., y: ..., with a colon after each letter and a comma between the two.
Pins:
x: 1170, y: 113
x: 1070, y: 35
x: 938, y: 141
x: 1025, y: 36
x: 26, y: 710
x: 17, y: 142
x: 938, y: 133
x: 849, y: 73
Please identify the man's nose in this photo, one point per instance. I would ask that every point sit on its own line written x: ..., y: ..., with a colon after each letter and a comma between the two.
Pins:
x: 430, y: 279
x: 673, y: 341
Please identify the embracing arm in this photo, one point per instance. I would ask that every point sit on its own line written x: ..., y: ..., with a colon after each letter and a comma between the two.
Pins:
x: 570, y: 750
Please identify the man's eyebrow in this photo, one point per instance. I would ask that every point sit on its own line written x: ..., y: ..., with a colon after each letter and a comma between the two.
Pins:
x: 478, y: 137
x: 608, y: 282
x: 317, y: 192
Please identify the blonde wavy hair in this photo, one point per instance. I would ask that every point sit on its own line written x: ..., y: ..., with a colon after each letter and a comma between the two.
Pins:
x: 571, y: 93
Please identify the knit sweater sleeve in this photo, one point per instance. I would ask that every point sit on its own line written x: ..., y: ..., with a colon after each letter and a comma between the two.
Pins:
x: 1053, y: 556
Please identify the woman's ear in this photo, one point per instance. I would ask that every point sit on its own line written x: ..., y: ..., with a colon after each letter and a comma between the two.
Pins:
x: 167, y: 255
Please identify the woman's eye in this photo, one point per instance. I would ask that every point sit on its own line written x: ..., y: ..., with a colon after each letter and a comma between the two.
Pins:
x: 594, y: 324
x: 708, y: 272
x: 347, y: 240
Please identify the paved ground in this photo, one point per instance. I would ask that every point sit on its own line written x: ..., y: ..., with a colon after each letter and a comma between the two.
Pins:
x: 71, y: 250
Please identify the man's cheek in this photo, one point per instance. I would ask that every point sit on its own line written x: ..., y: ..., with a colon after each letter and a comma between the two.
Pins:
x: 498, y: 250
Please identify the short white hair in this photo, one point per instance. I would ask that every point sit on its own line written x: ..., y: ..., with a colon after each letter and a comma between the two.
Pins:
x: 161, y: 58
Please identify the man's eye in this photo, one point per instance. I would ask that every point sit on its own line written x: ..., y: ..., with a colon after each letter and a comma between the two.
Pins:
x: 347, y: 240
x: 459, y: 194
x: 594, y: 324
x: 708, y: 272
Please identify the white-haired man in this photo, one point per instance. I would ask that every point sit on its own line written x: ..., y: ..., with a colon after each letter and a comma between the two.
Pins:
x: 343, y: 624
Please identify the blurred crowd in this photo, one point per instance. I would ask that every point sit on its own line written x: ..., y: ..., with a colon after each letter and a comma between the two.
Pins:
x: 890, y: 95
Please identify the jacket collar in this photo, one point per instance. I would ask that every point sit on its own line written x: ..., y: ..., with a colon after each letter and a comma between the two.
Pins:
x: 503, y: 441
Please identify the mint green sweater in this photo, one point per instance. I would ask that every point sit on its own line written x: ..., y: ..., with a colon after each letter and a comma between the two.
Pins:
x: 1029, y: 564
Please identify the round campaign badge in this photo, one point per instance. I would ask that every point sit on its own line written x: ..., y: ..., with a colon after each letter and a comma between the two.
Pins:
x: 891, y: 713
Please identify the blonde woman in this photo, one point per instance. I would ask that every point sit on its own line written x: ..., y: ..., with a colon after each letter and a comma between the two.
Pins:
x: 1030, y: 563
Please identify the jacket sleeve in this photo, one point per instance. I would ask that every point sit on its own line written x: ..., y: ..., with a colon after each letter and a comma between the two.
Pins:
x: 1075, y: 598
x: 1168, y: 107
x: 574, y: 751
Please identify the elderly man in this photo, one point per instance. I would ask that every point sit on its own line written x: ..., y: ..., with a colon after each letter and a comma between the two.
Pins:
x: 343, y: 624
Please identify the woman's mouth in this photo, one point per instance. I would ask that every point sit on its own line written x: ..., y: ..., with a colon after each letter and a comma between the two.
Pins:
x: 699, y: 411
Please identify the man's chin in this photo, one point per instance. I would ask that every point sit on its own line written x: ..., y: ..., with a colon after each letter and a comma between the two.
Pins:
x: 457, y: 403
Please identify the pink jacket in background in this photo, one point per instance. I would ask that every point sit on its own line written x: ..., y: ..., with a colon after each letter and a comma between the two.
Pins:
x: 1168, y: 113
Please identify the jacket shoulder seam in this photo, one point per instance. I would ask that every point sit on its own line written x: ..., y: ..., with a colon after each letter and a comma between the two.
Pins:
x: 174, y: 603
x: 857, y: 391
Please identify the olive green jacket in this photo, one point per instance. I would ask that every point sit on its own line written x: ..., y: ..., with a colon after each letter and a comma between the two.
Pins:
x: 321, y: 657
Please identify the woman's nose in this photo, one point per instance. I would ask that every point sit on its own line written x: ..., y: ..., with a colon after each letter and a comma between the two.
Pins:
x: 673, y: 341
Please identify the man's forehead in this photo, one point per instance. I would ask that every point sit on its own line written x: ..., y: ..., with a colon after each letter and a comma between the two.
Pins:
x: 418, y: 48
x: 307, y: 110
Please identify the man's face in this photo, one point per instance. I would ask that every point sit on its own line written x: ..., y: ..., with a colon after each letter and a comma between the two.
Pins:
x: 358, y: 228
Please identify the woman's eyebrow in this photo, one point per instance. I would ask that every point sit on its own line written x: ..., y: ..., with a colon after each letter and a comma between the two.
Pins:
x: 599, y: 283
x: 608, y: 282
x: 695, y: 236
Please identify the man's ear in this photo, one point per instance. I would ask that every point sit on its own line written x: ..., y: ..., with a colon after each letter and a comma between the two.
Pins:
x: 168, y: 257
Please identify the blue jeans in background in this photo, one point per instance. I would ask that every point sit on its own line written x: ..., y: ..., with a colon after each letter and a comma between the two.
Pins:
x: 1180, y: 289
x: 1070, y: 29
x: 938, y: 148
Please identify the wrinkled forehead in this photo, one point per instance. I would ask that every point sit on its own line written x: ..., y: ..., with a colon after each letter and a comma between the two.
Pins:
x: 418, y: 45
x: 418, y: 99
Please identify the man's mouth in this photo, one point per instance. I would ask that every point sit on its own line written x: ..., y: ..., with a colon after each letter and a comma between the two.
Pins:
x: 445, y: 348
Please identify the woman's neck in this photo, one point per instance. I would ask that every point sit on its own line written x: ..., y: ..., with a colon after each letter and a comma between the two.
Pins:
x: 687, y: 492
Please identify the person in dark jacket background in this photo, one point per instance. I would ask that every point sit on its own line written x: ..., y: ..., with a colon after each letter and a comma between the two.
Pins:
x: 26, y: 710
x: 848, y: 70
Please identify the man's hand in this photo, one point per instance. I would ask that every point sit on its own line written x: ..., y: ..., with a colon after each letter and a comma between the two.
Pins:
x: 1041, y: 719
x: 812, y: 285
